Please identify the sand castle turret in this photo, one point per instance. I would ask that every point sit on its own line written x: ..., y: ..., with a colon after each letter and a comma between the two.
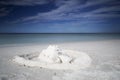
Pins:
x: 53, y: 54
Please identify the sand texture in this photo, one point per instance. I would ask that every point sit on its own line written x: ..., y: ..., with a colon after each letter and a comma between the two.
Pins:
x: 105, y: 55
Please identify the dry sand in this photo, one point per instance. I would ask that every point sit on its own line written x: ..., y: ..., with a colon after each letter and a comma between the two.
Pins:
x: 105, y: 65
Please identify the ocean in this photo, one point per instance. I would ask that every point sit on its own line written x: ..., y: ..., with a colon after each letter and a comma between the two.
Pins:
x: 53, y: 38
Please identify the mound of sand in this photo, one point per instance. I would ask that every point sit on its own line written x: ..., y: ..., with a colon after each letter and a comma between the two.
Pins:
x: 55, y: 58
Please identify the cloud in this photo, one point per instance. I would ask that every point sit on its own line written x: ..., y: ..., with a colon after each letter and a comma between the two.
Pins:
x: 24, y: 2
x: 4, y: 12
x: 77, y: 10
x: 105, y: 12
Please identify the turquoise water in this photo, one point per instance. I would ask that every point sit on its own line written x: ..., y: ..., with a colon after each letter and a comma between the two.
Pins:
x: 53, y: 38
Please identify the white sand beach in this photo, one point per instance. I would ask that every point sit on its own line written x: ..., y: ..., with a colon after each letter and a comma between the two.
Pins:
x: 105, y: 55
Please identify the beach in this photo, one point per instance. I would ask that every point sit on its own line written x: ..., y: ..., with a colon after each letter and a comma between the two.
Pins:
x: 103, y: 50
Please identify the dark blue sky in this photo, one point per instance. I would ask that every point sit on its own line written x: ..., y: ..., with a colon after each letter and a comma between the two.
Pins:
x: 59, y: 16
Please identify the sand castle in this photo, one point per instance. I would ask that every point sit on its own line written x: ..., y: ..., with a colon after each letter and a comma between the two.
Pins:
x: 54, y: 57
x: 53, y: 54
